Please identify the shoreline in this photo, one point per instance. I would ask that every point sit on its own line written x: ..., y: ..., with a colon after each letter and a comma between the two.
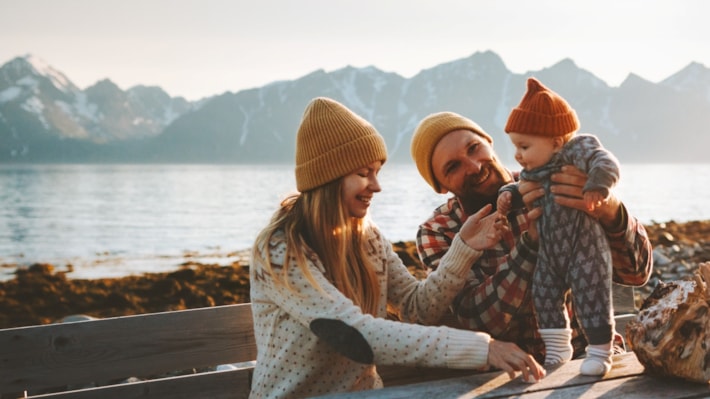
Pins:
x: 43, y: 293
x: 106, y: 265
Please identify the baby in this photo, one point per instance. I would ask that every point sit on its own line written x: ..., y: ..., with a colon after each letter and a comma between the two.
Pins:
x: 573, y: 252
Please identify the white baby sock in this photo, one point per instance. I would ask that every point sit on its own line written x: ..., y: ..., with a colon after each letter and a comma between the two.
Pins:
x: 558, y: 345
x: 598, y: 360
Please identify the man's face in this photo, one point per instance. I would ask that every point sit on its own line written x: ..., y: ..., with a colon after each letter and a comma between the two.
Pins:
x: 464, y: 164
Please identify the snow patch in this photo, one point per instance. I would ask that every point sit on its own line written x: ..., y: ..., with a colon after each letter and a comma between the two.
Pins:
x: 84, y: 108
x: 245, y: 127
x: 169, y: 115
x: 29, y: 82
x: 9, y: 94
x: 35, y: 106
x: 42, y: 68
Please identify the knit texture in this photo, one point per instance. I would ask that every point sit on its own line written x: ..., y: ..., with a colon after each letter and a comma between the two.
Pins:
x: 542, y: 112
x: 292, y: 362
x: 597, y: 362
x: 427, y: 135
x: 558, y: 345
x: 333, y: 141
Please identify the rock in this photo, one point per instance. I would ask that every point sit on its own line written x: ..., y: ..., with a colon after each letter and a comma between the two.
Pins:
x: 666, y: 238
x: 41, y: 268
x: 671, y: 333
x: 40, y: 295
x: 659, y: 259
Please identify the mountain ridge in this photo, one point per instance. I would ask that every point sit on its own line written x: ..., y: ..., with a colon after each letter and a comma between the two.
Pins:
x: 44, y: 117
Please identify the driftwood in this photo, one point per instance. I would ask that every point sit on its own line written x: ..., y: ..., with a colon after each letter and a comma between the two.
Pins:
x: 671, y: 333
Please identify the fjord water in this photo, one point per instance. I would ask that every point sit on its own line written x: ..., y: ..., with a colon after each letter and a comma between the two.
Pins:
x: 111, y: 220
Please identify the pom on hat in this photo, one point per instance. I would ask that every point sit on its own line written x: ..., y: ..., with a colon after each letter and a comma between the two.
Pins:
x: 333, y: 141
x: 427, y: 135
x: 542, y: 112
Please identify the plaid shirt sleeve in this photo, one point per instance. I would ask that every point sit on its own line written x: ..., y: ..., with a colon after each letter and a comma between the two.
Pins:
x: 499, y: 280
x: 631, y: 252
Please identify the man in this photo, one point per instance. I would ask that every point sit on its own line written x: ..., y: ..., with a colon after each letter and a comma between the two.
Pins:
x: 454, y: 155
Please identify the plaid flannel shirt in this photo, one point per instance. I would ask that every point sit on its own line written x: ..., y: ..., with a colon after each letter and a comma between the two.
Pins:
x: 497, y: 296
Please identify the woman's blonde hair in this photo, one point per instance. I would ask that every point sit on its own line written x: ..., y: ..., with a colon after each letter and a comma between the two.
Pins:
x: 316, y: 221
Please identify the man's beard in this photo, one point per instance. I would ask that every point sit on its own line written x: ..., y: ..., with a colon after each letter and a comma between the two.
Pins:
x: 472, y: 199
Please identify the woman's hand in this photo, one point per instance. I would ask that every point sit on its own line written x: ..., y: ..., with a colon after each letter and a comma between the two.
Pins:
x: 483, y: 231
x: 508, y: 357
x: 567, y: 189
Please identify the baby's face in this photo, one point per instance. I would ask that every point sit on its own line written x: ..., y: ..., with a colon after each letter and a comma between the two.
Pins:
x: 533, y: 151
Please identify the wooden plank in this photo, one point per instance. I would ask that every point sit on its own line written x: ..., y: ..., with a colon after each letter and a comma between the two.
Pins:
x: 230, y: 384
x: 499, y: 385
x: 49, y: 356
x: 403, y: 375
x: 639, y: 387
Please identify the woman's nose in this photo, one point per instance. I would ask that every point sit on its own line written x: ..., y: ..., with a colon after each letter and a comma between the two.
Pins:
x: 374, y: 185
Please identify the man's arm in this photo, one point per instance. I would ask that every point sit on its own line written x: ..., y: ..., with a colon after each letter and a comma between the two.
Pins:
x: 631, y: 249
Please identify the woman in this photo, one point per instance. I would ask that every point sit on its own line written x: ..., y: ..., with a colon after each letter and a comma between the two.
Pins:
x: 322, y: 277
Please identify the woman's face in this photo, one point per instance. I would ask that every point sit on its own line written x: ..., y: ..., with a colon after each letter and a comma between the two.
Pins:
x: 359, y: 187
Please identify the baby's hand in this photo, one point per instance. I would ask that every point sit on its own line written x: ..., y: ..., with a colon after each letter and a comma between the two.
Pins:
x: 504, y: 202
x: 592, y: 200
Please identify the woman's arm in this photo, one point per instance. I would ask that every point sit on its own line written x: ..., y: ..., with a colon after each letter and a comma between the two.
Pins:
x: 498, y: 281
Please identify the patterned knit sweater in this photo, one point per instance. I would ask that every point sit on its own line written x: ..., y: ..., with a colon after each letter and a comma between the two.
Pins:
x: 292, y: 362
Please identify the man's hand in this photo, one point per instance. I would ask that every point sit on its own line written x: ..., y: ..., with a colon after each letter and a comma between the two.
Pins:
x: 567, y: 189
x: 483, y: 232
x: 508, y: 357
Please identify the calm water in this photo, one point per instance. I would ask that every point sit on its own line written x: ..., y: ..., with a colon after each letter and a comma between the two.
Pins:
x: 111, y: 220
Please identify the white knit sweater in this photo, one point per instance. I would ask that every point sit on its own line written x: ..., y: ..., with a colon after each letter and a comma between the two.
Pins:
x: 292, y: 362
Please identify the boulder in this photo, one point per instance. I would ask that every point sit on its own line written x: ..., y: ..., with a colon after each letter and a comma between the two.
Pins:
x: 671, y: 333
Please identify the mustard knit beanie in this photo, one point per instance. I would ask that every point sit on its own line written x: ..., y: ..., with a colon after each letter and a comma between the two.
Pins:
x: 542, y: 112
x: 427, y: 135
x: 332, y: 142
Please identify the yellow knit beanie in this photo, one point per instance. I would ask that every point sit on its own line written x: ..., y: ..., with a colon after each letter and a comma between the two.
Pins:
x: 332, y: 142
x: 427, y: 135
x: 542, y: 112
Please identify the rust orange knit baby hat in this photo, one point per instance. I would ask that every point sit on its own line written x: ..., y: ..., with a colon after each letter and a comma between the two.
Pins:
x: 542, y: 112
x: 333, y: 141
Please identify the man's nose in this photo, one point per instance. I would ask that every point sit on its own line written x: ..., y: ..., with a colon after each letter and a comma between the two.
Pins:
x: 473, y: 166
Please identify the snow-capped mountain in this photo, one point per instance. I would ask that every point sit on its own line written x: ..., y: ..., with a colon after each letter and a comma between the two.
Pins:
x: 44, y: 117
x: 40, y: 109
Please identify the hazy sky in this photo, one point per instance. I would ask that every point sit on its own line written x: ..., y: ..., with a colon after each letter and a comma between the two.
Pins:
x: 199, y: 48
